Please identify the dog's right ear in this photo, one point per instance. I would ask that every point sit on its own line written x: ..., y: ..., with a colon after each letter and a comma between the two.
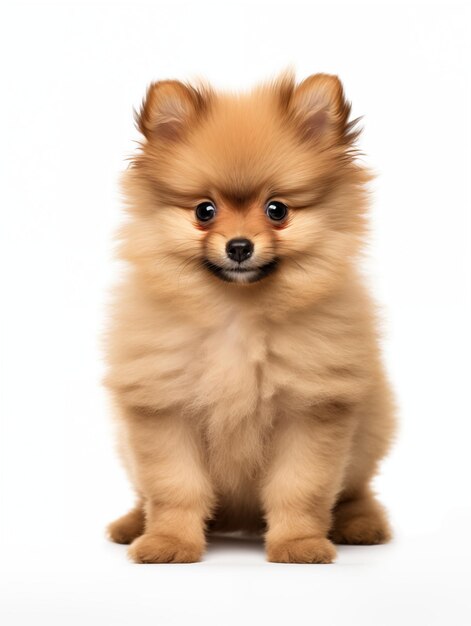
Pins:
x: 168, y: 108
x: 320, y: 108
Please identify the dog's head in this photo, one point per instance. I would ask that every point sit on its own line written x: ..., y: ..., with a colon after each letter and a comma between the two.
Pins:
x: 246, y: 189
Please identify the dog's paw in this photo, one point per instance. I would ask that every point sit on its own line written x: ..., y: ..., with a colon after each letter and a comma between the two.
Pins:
x: 126, y: 528
x: 163, y: 549
x: 306, y: 550
x: 362, y: 530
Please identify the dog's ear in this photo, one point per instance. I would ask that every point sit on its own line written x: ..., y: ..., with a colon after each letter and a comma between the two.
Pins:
x: 320, y: 108
x: 168, y: 108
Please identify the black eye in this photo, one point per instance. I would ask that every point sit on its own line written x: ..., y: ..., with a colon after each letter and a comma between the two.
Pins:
x: 205, y: 211
x: 276, y: 210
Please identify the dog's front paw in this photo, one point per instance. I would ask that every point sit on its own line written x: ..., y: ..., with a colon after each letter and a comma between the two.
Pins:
x: 164, y: 549
x: 305, y: 550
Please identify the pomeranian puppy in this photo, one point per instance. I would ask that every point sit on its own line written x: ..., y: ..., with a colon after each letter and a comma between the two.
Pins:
x: 243, y: 354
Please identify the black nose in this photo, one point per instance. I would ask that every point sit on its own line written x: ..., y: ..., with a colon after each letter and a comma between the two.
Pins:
x: 239, y: 249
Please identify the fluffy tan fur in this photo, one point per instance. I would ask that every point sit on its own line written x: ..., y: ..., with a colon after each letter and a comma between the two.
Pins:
x: 247, y: 404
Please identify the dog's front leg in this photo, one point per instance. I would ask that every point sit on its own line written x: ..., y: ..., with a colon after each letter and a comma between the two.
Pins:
x: 303, y: 479
x: 168, y: 470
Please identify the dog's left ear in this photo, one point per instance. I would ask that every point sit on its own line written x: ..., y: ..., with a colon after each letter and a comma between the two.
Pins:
x: 320, y: 108
x: 168, y: 108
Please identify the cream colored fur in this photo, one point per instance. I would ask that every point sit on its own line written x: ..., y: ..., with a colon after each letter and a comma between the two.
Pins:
x: 260, y: 406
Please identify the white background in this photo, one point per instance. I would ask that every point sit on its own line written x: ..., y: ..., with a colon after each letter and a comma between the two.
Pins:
x: 71, y: 73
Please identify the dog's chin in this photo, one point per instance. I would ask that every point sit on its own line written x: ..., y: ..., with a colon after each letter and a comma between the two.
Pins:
x: 240, y: 275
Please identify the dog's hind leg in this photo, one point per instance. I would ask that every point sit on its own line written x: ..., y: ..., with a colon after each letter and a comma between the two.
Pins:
x: 128, y: 527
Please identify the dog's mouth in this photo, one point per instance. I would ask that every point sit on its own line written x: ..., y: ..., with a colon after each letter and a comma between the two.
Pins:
x: 241, y: 274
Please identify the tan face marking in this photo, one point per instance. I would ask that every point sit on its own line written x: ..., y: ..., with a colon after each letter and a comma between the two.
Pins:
x: 241, y: 221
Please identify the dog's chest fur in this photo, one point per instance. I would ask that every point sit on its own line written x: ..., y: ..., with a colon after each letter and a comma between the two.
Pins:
x: 233, y: 398
x: 235, y: 377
